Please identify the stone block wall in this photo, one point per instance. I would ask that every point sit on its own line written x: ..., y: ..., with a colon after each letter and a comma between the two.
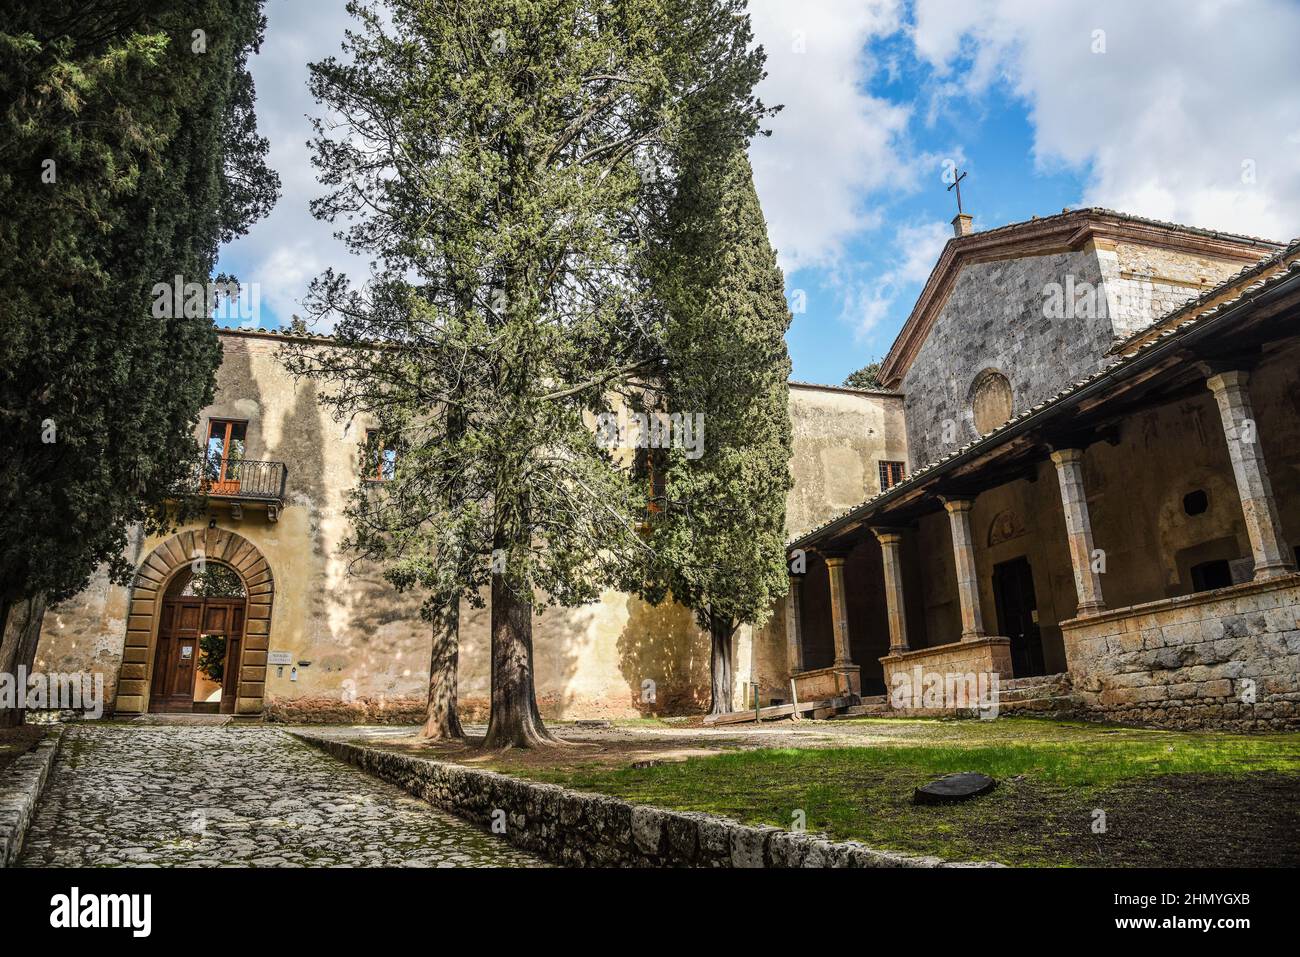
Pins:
x: 576, y: 829
x: 1227, y: 659
x: 993, y: 319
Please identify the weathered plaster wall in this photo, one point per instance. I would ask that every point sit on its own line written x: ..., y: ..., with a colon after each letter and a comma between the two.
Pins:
x: 839, y: 439
x: 1144, y: 283
x: 366, y: 645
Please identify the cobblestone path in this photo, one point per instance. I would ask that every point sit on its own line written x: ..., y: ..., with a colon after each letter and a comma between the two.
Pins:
x: 229, y: 796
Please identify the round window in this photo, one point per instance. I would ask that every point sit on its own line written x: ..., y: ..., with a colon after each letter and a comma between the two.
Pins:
x: 990, y: 401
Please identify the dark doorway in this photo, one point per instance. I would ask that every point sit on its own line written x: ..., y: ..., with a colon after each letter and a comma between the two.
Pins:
x: 1017, y: 607
x: 200, y: 639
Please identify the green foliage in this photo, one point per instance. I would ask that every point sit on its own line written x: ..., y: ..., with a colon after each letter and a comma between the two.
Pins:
x: 212, y: 657
x: 868, y: 377
x: 503, y: 161
x: 720, y: 541
x: 125, y: 159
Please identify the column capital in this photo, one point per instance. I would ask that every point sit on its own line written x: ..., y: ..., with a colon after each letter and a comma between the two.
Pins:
x: 888, y: 536
x: 1222, y: 381
x: 954, y: 503
x: 834, y: 561
x: 1067, y: 456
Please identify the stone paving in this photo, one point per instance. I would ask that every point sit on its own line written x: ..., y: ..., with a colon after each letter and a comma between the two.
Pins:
x: 235, y: 797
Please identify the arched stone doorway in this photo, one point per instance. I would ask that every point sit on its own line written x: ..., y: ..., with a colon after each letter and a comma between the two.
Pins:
x: 167, y: 565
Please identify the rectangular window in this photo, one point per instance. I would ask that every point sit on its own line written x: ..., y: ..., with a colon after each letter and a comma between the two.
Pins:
x: 226, y: 449
x: 649, y: 466
x: 381, y: 458
x: 891, y: 473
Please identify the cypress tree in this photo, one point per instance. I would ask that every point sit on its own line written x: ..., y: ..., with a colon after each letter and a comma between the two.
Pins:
x: 719, y: 539
x: 128, y: 153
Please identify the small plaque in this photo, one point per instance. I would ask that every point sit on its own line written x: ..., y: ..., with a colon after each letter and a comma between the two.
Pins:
x: 279, y: 658
x: 187, y: 652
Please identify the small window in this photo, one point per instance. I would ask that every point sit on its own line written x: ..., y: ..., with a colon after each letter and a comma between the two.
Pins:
x: 225, y: 450
x: 1210, y: 575
x: 649, y: 466
x: 381, y: 458
x: 991, y: 401
x: 891, y: 473
x: 1195, y: 503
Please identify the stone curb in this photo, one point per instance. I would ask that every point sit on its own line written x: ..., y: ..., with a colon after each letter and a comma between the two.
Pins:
x: 20, y: 791
x: 577, y: 829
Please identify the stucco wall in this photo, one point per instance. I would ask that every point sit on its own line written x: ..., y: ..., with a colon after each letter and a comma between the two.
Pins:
x: 367, y: 647
x: 1144, y: 283
x: 839, y: 439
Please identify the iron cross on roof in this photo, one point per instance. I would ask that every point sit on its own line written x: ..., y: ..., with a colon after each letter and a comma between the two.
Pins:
x: 956, y: 184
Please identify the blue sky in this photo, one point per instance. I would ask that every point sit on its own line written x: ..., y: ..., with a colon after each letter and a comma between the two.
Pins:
x: 1183, y: 110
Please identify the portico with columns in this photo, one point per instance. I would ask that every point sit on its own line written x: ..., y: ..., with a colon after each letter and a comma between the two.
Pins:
x: 1116, y: 533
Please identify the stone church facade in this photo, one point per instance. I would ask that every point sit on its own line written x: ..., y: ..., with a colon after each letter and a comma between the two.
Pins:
x: 1083, y: 470
x: 1104, y: 499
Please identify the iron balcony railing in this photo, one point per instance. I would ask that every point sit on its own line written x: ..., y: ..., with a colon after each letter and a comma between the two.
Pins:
x: 216, y: 477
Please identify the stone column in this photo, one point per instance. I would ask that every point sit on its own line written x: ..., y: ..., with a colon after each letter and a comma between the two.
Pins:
x: 1272, y: 556
x: 848, y: 677
x: 839, y: 611
x: 963, y: 550
x: 890, y: 550
x: 1078, y: 529
x: 794, y: 626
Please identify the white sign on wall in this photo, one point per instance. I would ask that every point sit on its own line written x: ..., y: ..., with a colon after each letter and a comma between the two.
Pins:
x: 279, y: 658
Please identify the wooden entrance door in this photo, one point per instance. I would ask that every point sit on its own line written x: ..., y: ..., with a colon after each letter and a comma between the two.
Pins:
x: 1017, y: 606
x: 176, y: 659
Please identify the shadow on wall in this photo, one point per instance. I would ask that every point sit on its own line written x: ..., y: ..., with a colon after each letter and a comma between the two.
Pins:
x: 663, y: 644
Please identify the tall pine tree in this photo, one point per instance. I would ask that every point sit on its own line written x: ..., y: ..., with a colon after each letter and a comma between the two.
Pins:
x: 502, y: 162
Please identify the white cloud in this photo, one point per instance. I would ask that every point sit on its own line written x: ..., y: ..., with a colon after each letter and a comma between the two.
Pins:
x: 869, y: 302
x: 1164, y: 119
x: 289, y: 248
x: 833, y: 143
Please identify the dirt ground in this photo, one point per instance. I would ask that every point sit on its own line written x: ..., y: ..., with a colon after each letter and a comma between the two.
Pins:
x: 16, y: 741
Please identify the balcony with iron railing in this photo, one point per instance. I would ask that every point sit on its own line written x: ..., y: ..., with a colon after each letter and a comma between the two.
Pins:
x: 239, y: 481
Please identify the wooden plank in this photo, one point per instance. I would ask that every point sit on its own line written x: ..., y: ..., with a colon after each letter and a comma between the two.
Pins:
x: 776, y: 711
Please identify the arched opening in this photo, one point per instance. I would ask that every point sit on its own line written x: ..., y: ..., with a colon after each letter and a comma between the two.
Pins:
x: 201, y: 582
x: 199, y: 650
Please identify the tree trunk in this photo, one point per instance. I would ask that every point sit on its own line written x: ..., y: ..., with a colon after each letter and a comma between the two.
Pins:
x: 442, y: 722
x: 515, y: 720
x: 21, y: 635
x: 721, y: 631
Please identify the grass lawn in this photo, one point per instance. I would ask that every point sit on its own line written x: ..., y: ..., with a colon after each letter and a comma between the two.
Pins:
x: 1169, y: 798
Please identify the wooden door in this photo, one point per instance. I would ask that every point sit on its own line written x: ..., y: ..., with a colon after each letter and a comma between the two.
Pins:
x: 176, y: 656
x: 1013, y: 588
x: 225, y: 616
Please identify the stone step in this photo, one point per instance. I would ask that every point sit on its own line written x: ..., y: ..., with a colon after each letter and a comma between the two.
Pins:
x: 1055, y: 703
x: 1035, y: 681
